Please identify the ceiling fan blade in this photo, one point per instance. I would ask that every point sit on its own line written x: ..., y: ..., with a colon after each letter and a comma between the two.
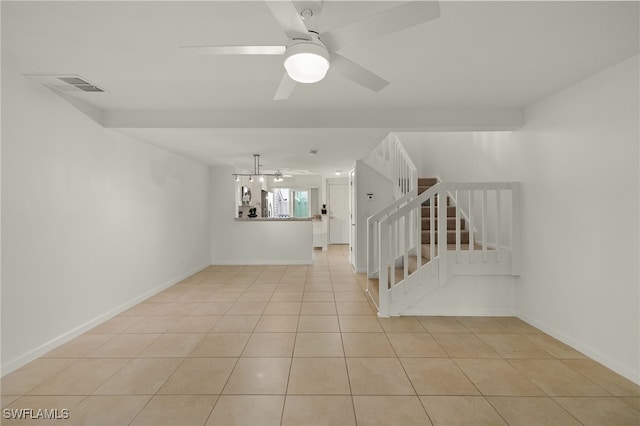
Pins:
x: 356, y: 73
x: 289, y: 19
x: 392, y: 20
x: 285, y: 88
x: 236, y: 50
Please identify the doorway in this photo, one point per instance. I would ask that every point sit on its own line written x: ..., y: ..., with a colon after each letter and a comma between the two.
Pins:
x: 339, y: 222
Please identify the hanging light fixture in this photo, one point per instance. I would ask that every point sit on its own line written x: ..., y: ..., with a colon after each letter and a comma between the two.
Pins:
x: 256, y: 172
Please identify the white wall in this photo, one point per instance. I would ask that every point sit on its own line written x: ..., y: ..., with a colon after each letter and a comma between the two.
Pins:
x: 298, y: 182
x: 368, y: 181
x: 252, y: 242
x: 578, y: 159
x: 469, y: 296
x: 578, y: 163
x: 462, y: 156
x: 92, y: 221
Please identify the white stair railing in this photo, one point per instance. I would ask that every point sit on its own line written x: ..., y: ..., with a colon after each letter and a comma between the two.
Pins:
x: 491, y: 212
x: 407, y: 269
x: 390, y: 159
x: 373, y: 237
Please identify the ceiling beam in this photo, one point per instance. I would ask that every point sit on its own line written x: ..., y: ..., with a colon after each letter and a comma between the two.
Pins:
x: 394, y: 120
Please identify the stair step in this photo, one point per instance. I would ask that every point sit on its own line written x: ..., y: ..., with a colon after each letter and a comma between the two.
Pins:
x: 452, y: 246
x: 427, y: 181
x: 451, y: 211
x: 427, y: 202
x: 413, y: 266
x: 399, y: 271
x: 451, y: 237
x: 451, y: 223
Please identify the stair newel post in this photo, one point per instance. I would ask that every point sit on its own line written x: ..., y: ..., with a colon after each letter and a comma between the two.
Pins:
x: 417, y: 232
x: 384, y: 268
x: 442, y: 233
x: 432, y: 227
x: 371, y: 244
x: 394, y: 239
x: 407, y: 246
x: 515, y: 228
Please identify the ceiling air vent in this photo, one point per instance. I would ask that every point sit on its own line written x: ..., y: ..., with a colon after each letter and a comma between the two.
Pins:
x: 65, y: 83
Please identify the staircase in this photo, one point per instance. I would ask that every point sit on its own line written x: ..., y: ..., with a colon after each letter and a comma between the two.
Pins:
x: 405, y: 260
x: 423, y: 185
x: 410, y: 263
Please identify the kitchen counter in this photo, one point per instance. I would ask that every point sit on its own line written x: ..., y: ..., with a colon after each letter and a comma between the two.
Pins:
x: 273, y: 219
x: 268, y: 241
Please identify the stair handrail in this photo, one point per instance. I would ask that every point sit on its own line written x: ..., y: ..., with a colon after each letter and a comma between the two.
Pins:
x: 372, y: 229
x: 387, y: 259
x: 417, y: 201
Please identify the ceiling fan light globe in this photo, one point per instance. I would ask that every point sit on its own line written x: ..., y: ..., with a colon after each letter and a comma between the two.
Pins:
x: 307, y: 62
x: 306, y: 67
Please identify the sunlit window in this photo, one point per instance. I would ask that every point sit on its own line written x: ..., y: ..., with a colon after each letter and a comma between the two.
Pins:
x: 290, y: 203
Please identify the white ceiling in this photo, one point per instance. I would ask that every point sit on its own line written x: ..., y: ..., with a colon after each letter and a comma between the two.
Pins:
x: 478, y: 61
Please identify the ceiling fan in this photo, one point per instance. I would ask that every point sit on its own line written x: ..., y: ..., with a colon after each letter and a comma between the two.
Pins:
x: 309, y: 54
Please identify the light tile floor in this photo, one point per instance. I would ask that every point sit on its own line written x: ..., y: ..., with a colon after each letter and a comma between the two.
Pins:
x: 301, y: 345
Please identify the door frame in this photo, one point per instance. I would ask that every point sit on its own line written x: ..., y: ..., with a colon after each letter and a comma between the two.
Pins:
x: 353, y: 231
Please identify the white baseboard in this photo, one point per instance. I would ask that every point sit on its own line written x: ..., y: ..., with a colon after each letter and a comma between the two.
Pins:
x: 455, y: 312
x: 614, y: 365
x: 261, y: 262
x: 33, y: 354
